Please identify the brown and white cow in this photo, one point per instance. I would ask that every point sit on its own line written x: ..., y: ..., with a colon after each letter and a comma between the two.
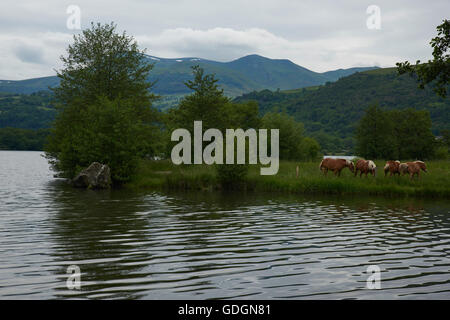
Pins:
x: 335, y: 165
x: 365, y: 166
x: 392, y: 167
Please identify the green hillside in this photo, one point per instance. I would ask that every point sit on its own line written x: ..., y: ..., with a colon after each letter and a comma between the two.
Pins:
x: 330, y: 112
x: 24, y: 111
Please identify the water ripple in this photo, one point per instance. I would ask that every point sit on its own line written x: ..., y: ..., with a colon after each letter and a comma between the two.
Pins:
x: 212, y: 246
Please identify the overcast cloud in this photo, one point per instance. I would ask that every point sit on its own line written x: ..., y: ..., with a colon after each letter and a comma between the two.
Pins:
x: 320, y: 35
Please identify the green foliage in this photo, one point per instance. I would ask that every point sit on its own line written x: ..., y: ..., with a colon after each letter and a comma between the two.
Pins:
x: 310, y: 149
x: 441, y: 153
x: 231, y: 176
x: 33, y: 111
x: 23, y: 139
x: 375, y: 135
x: 395, y: 134
x: 107, y: 132
x: 103, y: 63
x: 293, y: 144
x: 206, y: 103
x: 105, y: 112
x: 291, y: 134
x: 436, y: 71
x: 330, y: 113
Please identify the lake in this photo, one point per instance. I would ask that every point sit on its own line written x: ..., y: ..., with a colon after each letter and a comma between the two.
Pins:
x: 158, y: 245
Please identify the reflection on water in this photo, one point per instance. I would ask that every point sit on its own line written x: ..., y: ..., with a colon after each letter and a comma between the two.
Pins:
x: 212, y: 245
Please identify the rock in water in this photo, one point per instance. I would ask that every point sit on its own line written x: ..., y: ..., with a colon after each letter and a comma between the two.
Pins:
x: 96, y: 176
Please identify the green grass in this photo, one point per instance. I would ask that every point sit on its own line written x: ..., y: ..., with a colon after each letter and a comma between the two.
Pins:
x: 157, y: 175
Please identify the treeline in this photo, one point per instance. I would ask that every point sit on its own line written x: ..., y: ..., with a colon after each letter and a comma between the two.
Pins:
x: 23, y: 139
x: 25, y: 119
x: 398, y: 134
x: 26, y: 111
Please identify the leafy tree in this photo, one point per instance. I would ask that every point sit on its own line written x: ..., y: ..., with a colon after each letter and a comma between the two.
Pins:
x: 102, y: 62
x: 374, y: 135
x: 399, y: 134
x: 104, y: 105
x: 436, y: 70
x: 412, y: 130
x: 291, y: 134
x: 206, y: 103
x: 310, y: 149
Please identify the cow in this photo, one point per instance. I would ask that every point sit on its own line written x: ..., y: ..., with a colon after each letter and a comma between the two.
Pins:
x: 335, y: 165
x: 392, y: 167
x: 365, y: 166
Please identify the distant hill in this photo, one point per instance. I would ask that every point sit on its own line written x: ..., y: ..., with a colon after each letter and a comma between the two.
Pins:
x: 330, y: 112
x: 29, y: 85
x: 236, y: 77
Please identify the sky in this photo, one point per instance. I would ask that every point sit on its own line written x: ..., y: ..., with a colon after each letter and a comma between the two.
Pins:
x: 320, y: 35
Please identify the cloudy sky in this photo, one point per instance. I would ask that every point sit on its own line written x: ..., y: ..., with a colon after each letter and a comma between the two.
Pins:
x: 320, y: 35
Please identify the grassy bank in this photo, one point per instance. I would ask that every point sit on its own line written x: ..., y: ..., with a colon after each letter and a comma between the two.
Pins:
x: 157, y: 175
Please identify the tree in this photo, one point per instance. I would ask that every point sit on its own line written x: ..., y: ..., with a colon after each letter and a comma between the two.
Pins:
x: 291, y: 134
x: 104, y: 105
x: 436, y: 70
x: 309, y: 148
x: 375, y: 135
x: 412, y: 130
x: 206, y: 103
x: 399, y: 134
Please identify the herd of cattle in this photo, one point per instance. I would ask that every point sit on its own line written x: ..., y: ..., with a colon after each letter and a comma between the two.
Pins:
x: 369, y: 167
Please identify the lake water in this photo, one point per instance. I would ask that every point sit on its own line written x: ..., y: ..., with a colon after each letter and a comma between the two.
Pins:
x: 212, y: 245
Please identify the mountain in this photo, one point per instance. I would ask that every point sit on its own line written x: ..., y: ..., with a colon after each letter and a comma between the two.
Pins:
x: 331, y: 112
x: 252, y: 72
x: 29, y: 85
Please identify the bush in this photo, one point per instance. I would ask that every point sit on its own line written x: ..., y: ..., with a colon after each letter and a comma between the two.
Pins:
x: 441, y: 153
x: 231, y: 176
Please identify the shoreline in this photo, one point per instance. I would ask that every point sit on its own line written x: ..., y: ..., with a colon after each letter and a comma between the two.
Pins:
x: 163, y: 175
